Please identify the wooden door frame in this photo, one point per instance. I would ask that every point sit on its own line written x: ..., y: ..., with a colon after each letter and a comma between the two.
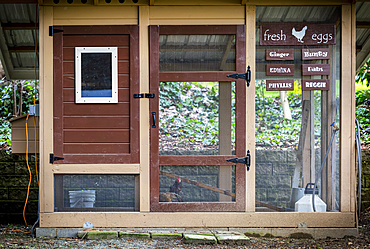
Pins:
x: 133, y: 32
x: 156, y: 77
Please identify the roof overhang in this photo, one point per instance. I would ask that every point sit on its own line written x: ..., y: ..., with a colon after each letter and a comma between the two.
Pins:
x: 18, y: 26
x: 18, y: 39
x: 362, y: 33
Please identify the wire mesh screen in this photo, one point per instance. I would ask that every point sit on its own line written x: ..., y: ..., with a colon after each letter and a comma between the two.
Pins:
x: 196, y: 53
x: 197, y: 183
x: 95, y: 192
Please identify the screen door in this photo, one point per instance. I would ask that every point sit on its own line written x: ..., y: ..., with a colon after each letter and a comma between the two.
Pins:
x: 197, y: 118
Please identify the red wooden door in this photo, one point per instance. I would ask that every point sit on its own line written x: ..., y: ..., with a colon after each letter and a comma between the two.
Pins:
x: 96, y: 133
x: 198, y: 118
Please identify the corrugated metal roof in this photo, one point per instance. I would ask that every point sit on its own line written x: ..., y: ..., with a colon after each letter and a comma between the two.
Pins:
x: 17, y: 40
x: 295, y: 14
x: 362, y: 33
x: 363, y: 11
x: 17, y: 13
x: 16, y: 43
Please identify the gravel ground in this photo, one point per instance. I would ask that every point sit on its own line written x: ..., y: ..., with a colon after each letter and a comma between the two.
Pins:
x: 22, y: 241
x: 12, y: 236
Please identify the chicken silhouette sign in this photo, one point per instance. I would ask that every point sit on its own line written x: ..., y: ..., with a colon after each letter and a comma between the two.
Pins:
x: 297, y: 34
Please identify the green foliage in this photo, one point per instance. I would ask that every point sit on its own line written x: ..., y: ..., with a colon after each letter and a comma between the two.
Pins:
x: 363, y: 97
x: 189, y: 111
x: 363, y: 101
x: 363, y: 76
x: 7, y: 106
x: 5, y: 134
x: 363, y: 113
x: 189, y: 114
x: 272, y: 129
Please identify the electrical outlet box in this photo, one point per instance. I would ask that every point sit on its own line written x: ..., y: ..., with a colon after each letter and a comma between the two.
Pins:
x: 34, y: 110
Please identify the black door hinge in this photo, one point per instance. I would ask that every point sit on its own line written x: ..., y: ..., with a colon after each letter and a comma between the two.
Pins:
x: 52, y: 30
x: 246, y: 160
x: 144, y: 95
x: 55, y: 158
x: 246, y: 76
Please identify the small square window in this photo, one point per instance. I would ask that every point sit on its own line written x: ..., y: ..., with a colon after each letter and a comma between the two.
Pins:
x: 96, y: 74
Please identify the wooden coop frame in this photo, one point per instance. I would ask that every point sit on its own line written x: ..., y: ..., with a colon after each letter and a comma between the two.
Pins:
x: 161, y: 12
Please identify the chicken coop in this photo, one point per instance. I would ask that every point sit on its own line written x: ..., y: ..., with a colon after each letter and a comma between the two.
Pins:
x: 207, y: 113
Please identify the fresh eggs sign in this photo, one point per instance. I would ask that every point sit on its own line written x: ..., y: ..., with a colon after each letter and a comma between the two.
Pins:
x: 297, y: 34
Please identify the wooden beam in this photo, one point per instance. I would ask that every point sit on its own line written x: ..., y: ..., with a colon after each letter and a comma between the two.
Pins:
x: 20, y: 26
x: 46, y: 135
x: 250, y: 55
x: 296, y: 3
x: 21, y: 49
x: 226, y: 53
x: 18, y: 1
x: 347, y: 93
x: 362, y: 25
x: 275, y: 220
x: 306, y: 106
x: 225, y: 172
x: 144, y: 186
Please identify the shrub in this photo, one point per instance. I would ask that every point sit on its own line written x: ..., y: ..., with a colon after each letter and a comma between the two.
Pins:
x: 363, y: 113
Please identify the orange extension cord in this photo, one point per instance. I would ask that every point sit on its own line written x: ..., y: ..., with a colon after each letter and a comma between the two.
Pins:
x: 34, y: 121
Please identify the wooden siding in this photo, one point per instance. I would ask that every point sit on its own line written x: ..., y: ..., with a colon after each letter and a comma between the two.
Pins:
x: 197, y: 15
x: 201, y: 220
x: 87, y: 131
x: 19, y: 141
x: 98, y: 15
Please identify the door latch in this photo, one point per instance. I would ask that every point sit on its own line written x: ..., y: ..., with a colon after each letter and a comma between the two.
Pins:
x: 246, y: 160
x: 246, y: 76
x: 144, y: 95
x: 153, y: 115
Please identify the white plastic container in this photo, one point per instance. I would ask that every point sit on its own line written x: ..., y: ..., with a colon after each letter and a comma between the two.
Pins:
x: 82, y: 199
x: 305, y: 203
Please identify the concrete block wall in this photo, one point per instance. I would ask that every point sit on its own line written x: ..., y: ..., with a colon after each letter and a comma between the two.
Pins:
x: 14, y: 178
x: 365, y: 185
x: 111, y: 190
x: 273, y: 183
x: 274, y: 173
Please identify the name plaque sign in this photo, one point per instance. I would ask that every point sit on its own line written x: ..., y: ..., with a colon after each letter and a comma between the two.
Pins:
x: 279, y: 69
x: 316, y: 54
x: 297, y: 34
x: 315, y: 84
x: 315, y: 69
x: 279, y: 54
x: 280, y: 85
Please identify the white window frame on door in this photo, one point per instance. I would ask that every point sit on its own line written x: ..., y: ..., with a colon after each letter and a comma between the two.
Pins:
x: 78, y: 84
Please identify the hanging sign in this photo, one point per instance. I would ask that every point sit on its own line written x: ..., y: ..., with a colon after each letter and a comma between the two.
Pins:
x: 316, y: 54
x: 315, y: 69
x: 315, y: 84
x: 279, y: 54
x: 280, y: 85
x: 297, y: 34
x: 279, y: 69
